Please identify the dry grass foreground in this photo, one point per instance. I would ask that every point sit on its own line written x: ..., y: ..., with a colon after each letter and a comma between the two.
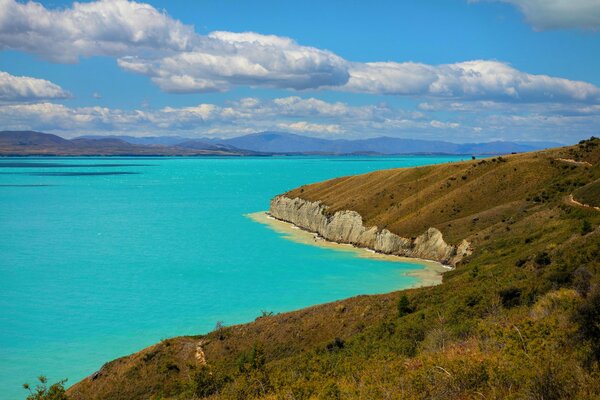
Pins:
x: 518, y: 319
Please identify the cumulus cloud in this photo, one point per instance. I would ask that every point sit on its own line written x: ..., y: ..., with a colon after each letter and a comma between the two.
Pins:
x: 479, y: 79
x: 149, y: 42
x: 105, y: 27
x: 225, y: 59
x: 27, y: 89
x: 559, y: 14
x: 175, y: 57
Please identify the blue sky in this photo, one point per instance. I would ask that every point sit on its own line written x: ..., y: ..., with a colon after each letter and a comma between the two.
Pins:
x: 456, y: 70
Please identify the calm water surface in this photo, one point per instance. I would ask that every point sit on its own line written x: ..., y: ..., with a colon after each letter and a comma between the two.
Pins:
x: 100, y: 257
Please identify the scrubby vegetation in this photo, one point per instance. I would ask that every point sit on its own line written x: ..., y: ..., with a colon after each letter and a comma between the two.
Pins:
x: 518, y: 319
x: 42, y: 391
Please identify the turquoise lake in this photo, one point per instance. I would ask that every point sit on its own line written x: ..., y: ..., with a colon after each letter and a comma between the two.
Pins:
x: 100, y: 257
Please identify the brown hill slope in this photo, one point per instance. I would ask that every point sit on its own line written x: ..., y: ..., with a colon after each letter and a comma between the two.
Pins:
x: 517, y: 319
x: 460, y: 199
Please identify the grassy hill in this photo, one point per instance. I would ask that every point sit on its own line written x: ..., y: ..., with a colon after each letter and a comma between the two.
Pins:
x: 518, y: 319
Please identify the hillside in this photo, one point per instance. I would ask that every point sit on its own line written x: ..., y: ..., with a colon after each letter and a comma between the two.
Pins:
x: 29, y: 143
x: 516, y: 319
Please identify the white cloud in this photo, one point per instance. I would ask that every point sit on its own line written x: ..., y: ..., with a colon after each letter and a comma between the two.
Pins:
x: 27, y: 89
x: 147, y: 41
x: 105, y: 27
x: 554, y: 121
x: 479, y: 79
x: 560, y: 14
x: 303, y: 126
x: 224, y: 59
x: 444, y: 125
x: 246, y: 115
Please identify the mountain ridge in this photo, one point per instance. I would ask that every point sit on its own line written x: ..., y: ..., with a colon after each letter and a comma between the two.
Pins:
x: 260, y: 143
x: 31, y: 143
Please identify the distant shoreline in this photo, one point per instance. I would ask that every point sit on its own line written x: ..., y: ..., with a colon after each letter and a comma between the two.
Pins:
x: 430, y: 275
x: 162, y: 155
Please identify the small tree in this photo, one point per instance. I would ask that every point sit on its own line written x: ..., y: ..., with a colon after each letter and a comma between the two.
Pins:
x: 404, y: 307
x: 220, y: 330
x: 41, y: 391
x: 252, y: 360
x: 586, y: 227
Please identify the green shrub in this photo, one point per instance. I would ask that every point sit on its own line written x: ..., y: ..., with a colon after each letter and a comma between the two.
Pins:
x: 335, y: 344
x: 251, y: 360
x: 56, y: 391
x: 404, y: 307
x: 510, y: 297
x: 542, y: 259
x: 206, y: 383
x: 586, y: 227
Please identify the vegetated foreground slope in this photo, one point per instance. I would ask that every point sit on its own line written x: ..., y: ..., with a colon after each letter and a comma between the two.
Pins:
x: 519, y: 318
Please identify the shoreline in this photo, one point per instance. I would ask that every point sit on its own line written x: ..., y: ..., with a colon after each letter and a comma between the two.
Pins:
x: 430, y: 275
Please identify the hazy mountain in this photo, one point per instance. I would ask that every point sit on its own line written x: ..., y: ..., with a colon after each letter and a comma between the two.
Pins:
x: 36, y: 143
x: 143, y: 140
x: 204, y: 144
x: 28, y: 142
x: 31, y: 139
x: 280, y: 142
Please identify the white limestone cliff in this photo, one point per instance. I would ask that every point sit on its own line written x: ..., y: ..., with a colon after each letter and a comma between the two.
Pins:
x: 347, y: 227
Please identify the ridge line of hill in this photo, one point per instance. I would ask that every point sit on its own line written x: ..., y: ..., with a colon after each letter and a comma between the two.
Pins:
x: 21, y: 143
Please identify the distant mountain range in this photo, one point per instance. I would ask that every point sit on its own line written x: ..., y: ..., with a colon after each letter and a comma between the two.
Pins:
x: 262, y: 143
x: 24, y: 143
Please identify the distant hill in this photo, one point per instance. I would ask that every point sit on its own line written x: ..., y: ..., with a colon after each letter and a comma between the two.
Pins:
x: 280, y: 142
x: 206, y: 144
x: 22, y: 143
x: 289, y: 143
x: 143, y: 140
x: 31, y: 139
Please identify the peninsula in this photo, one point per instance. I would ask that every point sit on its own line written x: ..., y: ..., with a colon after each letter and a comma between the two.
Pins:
x: 516, y: 317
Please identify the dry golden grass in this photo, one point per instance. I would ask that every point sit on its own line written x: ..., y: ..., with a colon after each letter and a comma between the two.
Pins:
x: 460, y: 199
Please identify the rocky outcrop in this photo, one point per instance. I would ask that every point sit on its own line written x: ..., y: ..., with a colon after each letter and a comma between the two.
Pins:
x: 347, y: 227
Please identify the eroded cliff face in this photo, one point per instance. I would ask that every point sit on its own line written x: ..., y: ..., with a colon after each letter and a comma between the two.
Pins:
x: 347, y: 227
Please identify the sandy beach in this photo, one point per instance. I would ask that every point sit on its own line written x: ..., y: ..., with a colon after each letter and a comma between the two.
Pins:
x: 430, y: 275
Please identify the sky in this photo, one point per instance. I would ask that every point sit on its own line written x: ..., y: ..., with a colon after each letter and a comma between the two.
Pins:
x: 456, y: 70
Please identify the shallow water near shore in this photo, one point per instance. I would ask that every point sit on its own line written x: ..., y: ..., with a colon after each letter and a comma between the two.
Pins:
x: 100, y: 257
x: 428, y: 273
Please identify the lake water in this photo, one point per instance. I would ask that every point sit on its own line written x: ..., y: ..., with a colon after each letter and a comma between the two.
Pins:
x: 100, y: 257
